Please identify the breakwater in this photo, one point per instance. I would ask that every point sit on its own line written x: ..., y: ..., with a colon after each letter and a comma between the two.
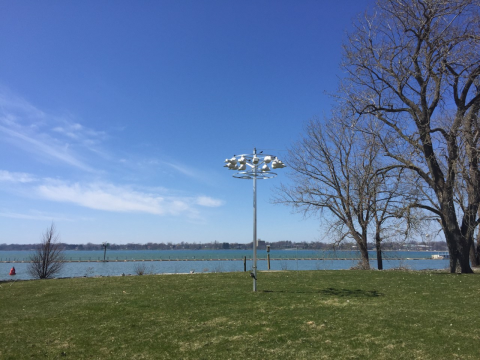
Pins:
x: 15, y: 261
x: 212, y: 255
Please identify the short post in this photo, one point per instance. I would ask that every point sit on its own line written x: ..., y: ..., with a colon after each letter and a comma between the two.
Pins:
x: 104, y: 250
x: 268, y: 256
x: 244, y: 264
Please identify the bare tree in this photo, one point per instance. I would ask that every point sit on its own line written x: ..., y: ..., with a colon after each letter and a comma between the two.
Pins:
x: 407, y: 64
x: 48, y: 258
x: 336, y: 173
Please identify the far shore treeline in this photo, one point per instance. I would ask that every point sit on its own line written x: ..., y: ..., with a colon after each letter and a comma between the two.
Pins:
x: 279, y: 245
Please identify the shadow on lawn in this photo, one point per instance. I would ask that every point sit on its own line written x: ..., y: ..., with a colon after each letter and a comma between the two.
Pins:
x: 331, y: 292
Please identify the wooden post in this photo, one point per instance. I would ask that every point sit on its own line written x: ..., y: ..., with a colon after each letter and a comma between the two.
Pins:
x: 268, y: 260
x: 244, y: 264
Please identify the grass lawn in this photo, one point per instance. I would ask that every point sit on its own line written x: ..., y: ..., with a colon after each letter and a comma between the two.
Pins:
x: 294, y: 315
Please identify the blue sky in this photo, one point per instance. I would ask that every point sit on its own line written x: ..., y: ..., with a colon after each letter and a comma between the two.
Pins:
x: 116, y: 116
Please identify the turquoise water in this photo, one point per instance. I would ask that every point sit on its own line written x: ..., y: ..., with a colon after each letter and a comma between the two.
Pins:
x: 211, y: 254
x: 225, y: 261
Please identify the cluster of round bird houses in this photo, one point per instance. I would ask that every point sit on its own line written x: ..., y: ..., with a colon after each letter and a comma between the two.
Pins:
x: 259, y: 163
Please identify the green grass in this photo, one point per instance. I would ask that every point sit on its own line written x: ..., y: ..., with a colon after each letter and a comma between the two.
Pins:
x: 294, y: 315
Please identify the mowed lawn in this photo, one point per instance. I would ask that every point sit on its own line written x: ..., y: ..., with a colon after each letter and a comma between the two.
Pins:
x: 294, y: 315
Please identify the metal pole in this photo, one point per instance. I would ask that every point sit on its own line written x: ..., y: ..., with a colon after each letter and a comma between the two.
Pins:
x: 255, y: 224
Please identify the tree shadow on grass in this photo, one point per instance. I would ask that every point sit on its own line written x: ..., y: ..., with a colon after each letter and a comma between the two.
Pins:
x: 9, y: 281
x: 451, y: 274
x: 331, y: 292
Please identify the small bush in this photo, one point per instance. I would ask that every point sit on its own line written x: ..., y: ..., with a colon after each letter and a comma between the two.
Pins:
x: 90, y: 271
x: 140, y: 269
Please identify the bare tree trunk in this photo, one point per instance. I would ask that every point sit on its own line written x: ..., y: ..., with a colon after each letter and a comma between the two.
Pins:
x: 473, y: 253
x: 464, y: 258
x: 457, y: 244
x: 362, y: 245
x: 453, y: 257
x: 478, y: 248
x: 459, y: 252
x: 378, y: 247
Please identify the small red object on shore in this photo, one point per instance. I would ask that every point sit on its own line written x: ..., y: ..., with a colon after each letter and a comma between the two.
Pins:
x: 12, y: 271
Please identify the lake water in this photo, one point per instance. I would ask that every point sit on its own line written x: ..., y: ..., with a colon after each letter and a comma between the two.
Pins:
x: 184, y: 261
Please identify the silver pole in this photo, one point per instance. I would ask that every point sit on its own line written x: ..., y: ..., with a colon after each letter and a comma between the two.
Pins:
x: 253, y: 163
x: 255, y: 224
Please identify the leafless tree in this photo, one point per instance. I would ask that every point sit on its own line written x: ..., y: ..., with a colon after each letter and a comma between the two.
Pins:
x: 48, y: 258
x: 336, y: 173
x: 407, y: 64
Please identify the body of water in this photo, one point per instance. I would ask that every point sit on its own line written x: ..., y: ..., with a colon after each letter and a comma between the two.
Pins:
x: 89, y: 263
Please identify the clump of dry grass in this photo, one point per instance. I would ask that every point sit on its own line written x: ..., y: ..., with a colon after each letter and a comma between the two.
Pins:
x: 141, y: 268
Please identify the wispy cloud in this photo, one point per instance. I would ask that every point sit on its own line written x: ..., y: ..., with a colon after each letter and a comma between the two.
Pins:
x: 15, y: 177
x: 208, y: 201
x: 31, y: 144
x: 64, y: 140
x: 182, y: 169
x: 104, y: 196
x: 81, y: 134
x: 15, y: 108
x: 188, y: 170
x: 108, y: 197
x: 36, y: 216
x: 45, y: 135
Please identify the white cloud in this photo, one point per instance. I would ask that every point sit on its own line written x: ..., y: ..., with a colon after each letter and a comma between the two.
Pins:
x: 15, y: 177
x: 208, y: 201
x: 122, y: 199
x: 78, y: 132
x: 64, y: 140
x: 106, y: 197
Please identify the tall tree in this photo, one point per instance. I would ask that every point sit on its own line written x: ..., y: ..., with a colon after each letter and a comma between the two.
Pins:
x: 406, y: 64
x: 336, y: 174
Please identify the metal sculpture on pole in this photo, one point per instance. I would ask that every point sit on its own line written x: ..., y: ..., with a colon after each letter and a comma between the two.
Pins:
x: 254, y: 166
